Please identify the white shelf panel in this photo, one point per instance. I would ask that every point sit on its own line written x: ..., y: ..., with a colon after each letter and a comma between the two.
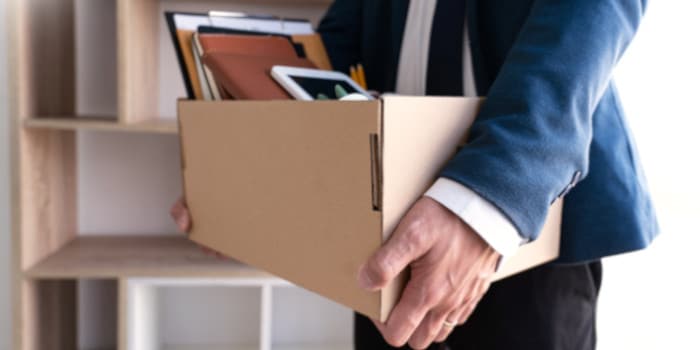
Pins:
x: 210, y: 347
x: 314, y: 347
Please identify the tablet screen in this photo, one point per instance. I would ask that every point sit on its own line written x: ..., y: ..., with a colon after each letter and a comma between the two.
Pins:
x: 324, y: 89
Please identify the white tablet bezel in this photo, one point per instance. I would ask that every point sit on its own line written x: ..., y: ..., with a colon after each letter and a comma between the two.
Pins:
x: 283, y: 75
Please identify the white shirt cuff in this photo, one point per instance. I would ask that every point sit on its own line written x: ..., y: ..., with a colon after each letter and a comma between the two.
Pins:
x: 482, y: 216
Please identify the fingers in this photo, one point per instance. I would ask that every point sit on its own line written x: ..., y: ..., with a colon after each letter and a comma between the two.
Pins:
x: 406, y: 315
x: 448, y: 323
x: 409, y: 241
x: 419, y: 297
x: 212, y: 252
x: 460, y: 314
x: 432, y: 326
x: 479, y: 291
x: 466, y: 312
x: 181, y: 215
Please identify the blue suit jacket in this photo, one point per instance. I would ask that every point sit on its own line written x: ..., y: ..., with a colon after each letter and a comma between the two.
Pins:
x: 552, y: 119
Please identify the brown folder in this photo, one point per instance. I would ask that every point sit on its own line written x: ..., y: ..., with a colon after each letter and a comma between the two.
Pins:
x: 315, y: 50
x: 246, y: 45
x: 184, y: 38
x: 246, y: 77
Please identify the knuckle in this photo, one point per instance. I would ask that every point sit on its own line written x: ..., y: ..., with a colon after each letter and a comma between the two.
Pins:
x: 418, y: 344
x: 452, y: 304
x: 416, y: 295
x: 442, y: 337
x: 413, y: 321
x: 436, y: 295
x: 416, y: 233
x: 433, y: 297
x: 394, y: 340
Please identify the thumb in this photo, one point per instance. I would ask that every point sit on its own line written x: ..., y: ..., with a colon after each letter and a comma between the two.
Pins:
x: 409, y: 241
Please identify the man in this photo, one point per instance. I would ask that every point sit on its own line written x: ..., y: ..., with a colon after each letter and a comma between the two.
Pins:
x: 551, y: 121
x: 551, y: 117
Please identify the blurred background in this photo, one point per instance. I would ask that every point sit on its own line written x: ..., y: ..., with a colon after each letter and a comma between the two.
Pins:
x: 649, y: 300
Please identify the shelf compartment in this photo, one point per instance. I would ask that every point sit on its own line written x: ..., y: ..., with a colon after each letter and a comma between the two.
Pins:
x: 48, y: 320
x: 169, y: 313
x: 159, y: 126
x: 324, y: 324
x: 97, y: 309
x: 137, y: 256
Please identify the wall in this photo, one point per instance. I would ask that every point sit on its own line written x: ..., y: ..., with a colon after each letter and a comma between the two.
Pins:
x: 5, y: 313
x: 650, y: 299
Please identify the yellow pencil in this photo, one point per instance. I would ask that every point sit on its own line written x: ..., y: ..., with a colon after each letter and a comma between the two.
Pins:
x: 353, y: 74
x: 361, y: 76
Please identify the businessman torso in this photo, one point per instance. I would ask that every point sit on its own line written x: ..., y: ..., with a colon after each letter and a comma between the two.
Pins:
x: 606, y: 213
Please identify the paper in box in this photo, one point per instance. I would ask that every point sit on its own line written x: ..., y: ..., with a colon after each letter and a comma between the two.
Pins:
x: 309, y: 190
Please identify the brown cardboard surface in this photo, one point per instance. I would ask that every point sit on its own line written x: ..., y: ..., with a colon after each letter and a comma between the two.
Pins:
x: 420, y: 134
x: 544, y: 249
x: 286, y: 186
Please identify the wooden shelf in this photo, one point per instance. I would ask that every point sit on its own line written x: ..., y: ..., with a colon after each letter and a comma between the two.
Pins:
x: 137, y: 256
x: 46, y: 85
x: 158, y: 126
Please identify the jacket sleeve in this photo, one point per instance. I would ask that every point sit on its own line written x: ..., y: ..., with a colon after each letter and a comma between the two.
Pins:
x: 340, y: 30
x: 531, y: 140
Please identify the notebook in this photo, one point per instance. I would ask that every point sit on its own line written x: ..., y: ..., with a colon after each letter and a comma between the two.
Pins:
x: 237, y: 44
x: 183, y: 25
x: 247, y: 77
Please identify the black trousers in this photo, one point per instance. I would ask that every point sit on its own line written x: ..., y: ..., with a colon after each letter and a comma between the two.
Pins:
x: 549, y: 307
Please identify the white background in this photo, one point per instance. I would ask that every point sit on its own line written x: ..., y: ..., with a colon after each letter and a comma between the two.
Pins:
x: 649, y: 299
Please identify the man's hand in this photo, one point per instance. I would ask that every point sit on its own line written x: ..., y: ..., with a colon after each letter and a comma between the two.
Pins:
x: 451, y: 269
x: 181, y: 215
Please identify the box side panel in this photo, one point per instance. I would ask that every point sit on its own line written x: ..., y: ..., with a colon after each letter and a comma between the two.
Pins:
x: 540, y: 251
x: 420, y: 135
x: 285, y: 186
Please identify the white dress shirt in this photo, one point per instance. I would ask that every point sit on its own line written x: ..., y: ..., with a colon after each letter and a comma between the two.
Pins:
x: 481, y: 215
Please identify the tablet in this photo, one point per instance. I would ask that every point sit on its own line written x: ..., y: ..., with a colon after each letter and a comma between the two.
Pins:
x: 316, y: 84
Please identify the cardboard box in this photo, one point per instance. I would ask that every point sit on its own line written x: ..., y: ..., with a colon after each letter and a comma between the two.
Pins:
x: 309, y: 190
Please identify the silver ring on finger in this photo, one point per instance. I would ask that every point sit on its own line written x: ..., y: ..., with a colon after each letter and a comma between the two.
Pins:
x: 449, y: 324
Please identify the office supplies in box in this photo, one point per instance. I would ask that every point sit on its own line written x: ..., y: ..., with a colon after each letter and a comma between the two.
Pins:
x: 188, y: 30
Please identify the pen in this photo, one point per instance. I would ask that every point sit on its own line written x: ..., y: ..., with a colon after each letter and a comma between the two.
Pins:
x: 353, y: 75
x: 361, y: 76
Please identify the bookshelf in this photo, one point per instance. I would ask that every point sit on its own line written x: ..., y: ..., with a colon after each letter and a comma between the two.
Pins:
x: 139, y: 273
x: 157, y: 126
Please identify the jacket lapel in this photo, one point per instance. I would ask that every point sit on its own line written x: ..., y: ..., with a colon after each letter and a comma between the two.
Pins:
x: 399, y: 11
x: 474, y: 43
